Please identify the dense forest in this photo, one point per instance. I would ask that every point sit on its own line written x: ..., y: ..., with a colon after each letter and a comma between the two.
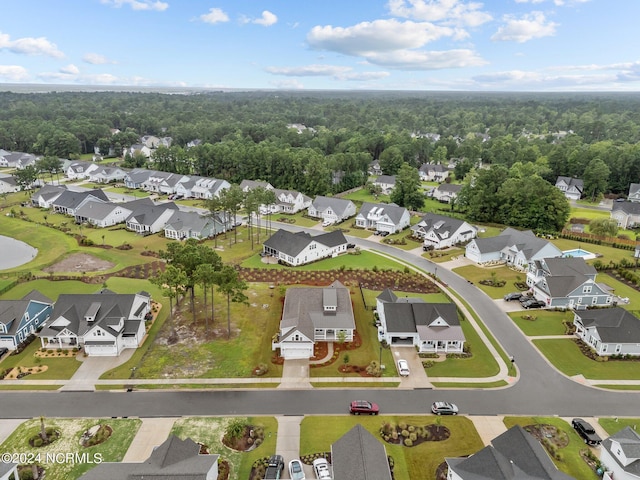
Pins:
x: 245, y: 135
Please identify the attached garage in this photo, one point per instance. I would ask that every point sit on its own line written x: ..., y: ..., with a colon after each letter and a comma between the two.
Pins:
x: 296, y: 351
x: 100, y: 349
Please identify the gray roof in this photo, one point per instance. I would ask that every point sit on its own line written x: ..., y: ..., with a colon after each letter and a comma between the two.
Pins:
x: 564, y: 274
x: 525, y: 241
x: 12, y: 311
x: 251, y: 184
x: 358, y: 455
x: 173, y: 459
x: 413, y: 315
x: 571, y: 182
x: 449, y: 187
x: 71, y: 199
x: 96, y: 210
x: 442, y: 226
x: 630, y: 208
x: 387, y: 295
x: 390, y: 179
x: 293, y: 243
x: 634, y: 188
x: 138, y: 175
x: 629, y: 441
x: 393, y: 211
x: 514, y: 455
x: 10, y: 180
x: 338, y: 205
x: 303, y: 309
x: 192, y: 221
x: 433, y: 167
x: 614, y: 325
x: 49, y: 191
x: 146, y: 214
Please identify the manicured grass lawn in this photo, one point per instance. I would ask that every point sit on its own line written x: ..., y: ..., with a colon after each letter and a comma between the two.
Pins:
x: 614, y: 425
x: 440, y: 256
x: 209, y: 431
x: 545, y: 323
x: 571, y: 463
x: 609, y: 254
x: 318, y: 433
x: 499, y: 383
x: 57, y: 368
x: 127, y: 191
x: 566, y: 357
x: 475, y: 274
x: 363, y: 195
x: 112, y: 450
x: 348, y: 228
x: 300, y: 219
x: 486, y: 231
x: 364, y: 260
x: 370, y: 296
x: 622, y: 290
x: 405, y: 235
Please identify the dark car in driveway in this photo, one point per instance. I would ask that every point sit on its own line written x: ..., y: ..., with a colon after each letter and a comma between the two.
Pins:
x: 534, y: 303
x: 513, y: 296
x: 586, y: 431
x: 363, y: 407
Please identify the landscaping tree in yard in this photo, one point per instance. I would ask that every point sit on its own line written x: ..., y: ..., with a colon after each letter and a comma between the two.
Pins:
x: 479, y: 195
x: 606, y: 227
x: 230, y: 284
x: 172, y: 281
x: 205, y: 275
x: 407, y: 191
x: 26, y: 176
x: 232, y: 199
x: 214, y: 205
x: 596, y: 178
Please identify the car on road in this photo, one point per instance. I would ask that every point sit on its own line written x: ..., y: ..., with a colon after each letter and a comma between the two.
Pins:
x: 586, y: 431
x: 403, y: 368
x: 363, y: 407
x: 275, y: 466
x: 534, y: 303
x: 444, y: 408
x: 513, y: 296
x: 321, y: 467
x: 351, y: 245
x: 296, y: 472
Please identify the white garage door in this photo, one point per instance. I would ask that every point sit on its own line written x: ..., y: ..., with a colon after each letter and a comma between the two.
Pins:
x: 293, y: 353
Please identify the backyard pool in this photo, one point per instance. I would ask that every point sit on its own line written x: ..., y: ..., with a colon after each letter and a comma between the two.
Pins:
x: 14, y: 253
x: 579, y: 252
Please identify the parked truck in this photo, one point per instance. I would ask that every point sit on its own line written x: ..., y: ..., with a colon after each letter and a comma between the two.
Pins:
x: 586, y: 431
x: 275, y: 465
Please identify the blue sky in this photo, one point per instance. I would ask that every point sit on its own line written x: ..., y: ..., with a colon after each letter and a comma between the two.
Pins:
x: 495, y: 45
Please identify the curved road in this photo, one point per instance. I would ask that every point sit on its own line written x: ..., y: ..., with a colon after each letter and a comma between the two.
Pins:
x: 541, y: 390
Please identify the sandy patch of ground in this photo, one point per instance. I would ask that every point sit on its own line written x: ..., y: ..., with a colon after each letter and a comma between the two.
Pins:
x: 20, y: 372
x: 80, y: 262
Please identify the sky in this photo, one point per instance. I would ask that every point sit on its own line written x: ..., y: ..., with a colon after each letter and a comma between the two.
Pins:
x: 444, y: 45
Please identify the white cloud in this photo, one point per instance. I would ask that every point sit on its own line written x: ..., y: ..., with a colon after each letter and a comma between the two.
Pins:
x: 156, y: 5
x: 267, y: 19
x: 288, y: 84
x: 380, y: 35
x: 215, y: 15
x: 362, y: 76
x: 13, y: 73
x: 335, y: 71
x: 529, y: 26
x: 427, y: 60
x: 96, y: 59
x: 30, y: 46
x: 557, y: 3
x: 70, y: 69
x: 454, y: 12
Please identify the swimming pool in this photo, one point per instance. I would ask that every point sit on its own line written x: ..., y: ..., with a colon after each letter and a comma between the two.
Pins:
x: 579, y: 252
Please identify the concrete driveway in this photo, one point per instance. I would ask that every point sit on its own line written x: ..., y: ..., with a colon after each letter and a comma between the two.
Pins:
x: 418, y: 376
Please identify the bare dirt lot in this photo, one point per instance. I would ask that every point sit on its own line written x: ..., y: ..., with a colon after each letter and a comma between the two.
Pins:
x: 79, y: 262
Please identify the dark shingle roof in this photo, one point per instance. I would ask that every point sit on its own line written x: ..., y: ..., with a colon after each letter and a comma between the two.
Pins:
x: 629, y: 442
x: 293, y: 243
x: 358, y: 455
x: 526, y: 241
x: 393, y: 211
x: 338, y: 205
x: 630, y: 208
x: 614, y: 325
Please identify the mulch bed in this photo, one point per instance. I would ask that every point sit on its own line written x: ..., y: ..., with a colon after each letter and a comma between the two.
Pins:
x: 425, y: 433
x: 548, y: 433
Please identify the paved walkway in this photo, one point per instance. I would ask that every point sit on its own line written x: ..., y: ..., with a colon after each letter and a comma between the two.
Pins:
x: 152, y: 433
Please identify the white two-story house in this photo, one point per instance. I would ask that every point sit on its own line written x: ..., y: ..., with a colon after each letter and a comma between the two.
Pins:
x: 383, y: 217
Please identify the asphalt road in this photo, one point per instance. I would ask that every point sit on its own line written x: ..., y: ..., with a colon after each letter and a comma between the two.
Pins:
x: 541, y: 390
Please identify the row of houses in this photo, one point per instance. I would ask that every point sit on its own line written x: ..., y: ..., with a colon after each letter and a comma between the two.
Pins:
x: 103, y: 324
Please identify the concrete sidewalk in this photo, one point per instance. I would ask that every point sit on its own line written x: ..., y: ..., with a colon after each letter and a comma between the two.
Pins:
x: 152, y: 433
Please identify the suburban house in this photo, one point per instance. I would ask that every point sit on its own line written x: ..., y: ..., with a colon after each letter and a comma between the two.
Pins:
x: 383, y: 217
x: 513, y: 455
x: 247, y: 185
x: 69, y: 201
x: 8, y: 185
x: 163, y: 182
x: 104, y: 174
x: 410, y: 321
x: 374, y: 168
x: 571, y: 187
x: 79, y: 170
x: 21, y: 318
x: 137, y: 177
x: 358, y: 455
x: 137, y: 149
x: 609, y: 331
x: 312, y: 314
x: 514, y: 247
x: 18, y: 160
x: 103, y: 323
x: 301, y: 248
x: 627, y: 214
x: 9, y: 471
x: 208, y: 188
x: 287, y: 201
x: 174, y: 459
x: 438, y: 231
x: 183, y: 225
x: 150, y: 218
x: 44, y: 197
x: 386, y: 183
x: 620, y: 455
x: 446, y: 192
x: 332, y: 209
x: 566, y: 283
x: 433, y: 172
x: 634, y: 193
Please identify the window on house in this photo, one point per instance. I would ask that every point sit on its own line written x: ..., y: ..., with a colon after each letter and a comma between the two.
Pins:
x: 594, y: 300
x: 586, y: 289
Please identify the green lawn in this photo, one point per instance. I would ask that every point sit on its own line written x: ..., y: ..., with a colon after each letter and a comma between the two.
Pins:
x: 571, y: 463
x: 318, y: 433
x: 365, y: 260
x: 370, y: 296
x: 128, y: 191
x: 363, y: 195
x: 209, y: 431
x: 439, y: 256
x: 622, y: 290
x: 542, y: 322
x: 475, y: 274
x: 565, y: 355
x: 614, y: 425
x: 112, y: 450
x: 56, y: 368
x: 609, y: 254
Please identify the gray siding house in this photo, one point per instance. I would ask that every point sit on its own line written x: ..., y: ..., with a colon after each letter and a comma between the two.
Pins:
x: 383, y: 217
x: 620, y: 455
x: 627, y: 214
x: 571, y: 187
x: 332, y: 209
x: 609, y: 331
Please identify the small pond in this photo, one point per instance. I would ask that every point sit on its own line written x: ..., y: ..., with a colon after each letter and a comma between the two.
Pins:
x: 14, y: 253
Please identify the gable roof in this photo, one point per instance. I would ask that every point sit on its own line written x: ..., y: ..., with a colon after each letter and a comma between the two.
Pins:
x: 525, y: 241
x: 71, y: 199
x: 146, y: 214
x: 629, y: 442
x: 49, y: 191
x: 571, y: 182
x: 338, y: 205
x: 12, y: 311
x: 442, y: 226
x: 629, y: 208
x: 97, y: 210
x: 388, y: 179
x: 564, y: 275
x: 614, y: 325
x: 634, y: 188
x: 514, y: 455
x: 358, y: 455
x: 432, y: 321
x: 293, y: 243
x: 449, y: 188
x: 391, y: 210
x: 188, y: 221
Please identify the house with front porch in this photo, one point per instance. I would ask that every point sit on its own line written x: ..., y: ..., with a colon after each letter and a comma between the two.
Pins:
x: 609, y: 331
x: 634, y: 193
x: 148, y: 218
x: 70, y: 201
x: 79, y: 170
x: 8, y: 184
x: 374, y: 168
x: 208, y: 188
x: 627, y: 214
x: 21, y: 318
x: 287, y: 201
x: 102, y: 214
x: 163, y: 182
x: 301, y: 248
x: 45, y: 197
x: 386, y: 183
x: 184, y: 225
x: 332, y: 209
x: 410, y: 321
x: 433, y: 172
x: 383, y: 217
x: 136, y: 178
x: 311, y: 315
x: 104, y: 174
x: 571, y: 187
x: 446, y: 192
x: 566, y: 283
x: 620, y: 455
x: 104, y: 323
x: 513, y: 247
x: 439, y: 231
